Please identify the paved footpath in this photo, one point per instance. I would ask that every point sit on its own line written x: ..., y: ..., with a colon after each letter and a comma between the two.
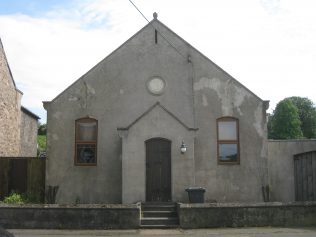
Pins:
x: 224, y: 232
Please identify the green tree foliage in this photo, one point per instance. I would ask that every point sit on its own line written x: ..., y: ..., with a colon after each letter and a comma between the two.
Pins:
x: 307, y: 114
x: 41, y: 141
x: 41, y: 138
x: 41, y: 129
x: 285, y: 122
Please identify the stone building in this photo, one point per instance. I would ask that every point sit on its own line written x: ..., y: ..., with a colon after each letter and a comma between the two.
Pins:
x: 18, y: 125
x: 28, y: 133
x: 153, y: 118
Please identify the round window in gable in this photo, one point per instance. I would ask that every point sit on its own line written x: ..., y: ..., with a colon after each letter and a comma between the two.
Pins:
x: 156, y: 85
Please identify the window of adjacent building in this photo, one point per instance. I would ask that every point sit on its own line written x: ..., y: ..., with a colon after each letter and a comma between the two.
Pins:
x: 86, y: 141
x: 227, y: 140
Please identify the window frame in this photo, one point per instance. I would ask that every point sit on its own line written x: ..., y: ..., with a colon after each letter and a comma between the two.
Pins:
x: 85, y: 142
x: 219, y: 142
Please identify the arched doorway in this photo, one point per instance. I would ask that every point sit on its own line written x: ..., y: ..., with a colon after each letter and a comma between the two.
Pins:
x: 158, y: 170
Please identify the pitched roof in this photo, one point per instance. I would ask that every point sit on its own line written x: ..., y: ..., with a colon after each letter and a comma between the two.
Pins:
x: 151, y: 23
x: 218, y: 67
x: 30, y: 113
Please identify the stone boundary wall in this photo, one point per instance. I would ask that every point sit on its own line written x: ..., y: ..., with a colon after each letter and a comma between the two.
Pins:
x: 208, y: 215
x: 281, y: 166
x: 117, y: 216
x: 53, y: 216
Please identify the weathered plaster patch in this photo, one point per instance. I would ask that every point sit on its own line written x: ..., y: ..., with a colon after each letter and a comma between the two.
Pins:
x: 240, y: 94
x: 230, y: 95
x: 263, y: 152
x: 226, y: 98
x: 239, y: 97
x: 57, y: 115
x: 204, y: 100
x: 205, y: 82
x: 90, y: 89
x: 55, y: 137
x: 85, y: 94
x: 258, y: 124
x: 73, y: 98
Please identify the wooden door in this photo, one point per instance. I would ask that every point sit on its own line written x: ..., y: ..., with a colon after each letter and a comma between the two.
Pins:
x: 305, y: 176
x: 158, y: 170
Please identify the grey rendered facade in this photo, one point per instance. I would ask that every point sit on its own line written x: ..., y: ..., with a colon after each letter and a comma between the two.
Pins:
x: 195, y: 94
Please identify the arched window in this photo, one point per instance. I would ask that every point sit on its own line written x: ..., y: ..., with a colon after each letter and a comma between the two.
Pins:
x: 228, y: 140
x: 86, y: 141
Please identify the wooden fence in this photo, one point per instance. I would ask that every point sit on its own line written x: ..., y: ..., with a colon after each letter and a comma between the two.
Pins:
x: 305, y: 176
x: 22, y: 175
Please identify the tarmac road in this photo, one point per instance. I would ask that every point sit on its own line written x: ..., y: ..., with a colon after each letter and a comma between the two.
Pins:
x: 224, y: 232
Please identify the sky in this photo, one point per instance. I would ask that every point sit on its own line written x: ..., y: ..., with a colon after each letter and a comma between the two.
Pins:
x: 267, y: 45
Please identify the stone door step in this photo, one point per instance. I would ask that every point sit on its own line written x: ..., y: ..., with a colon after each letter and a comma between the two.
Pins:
x: 159, y: 226
x: 159, y: 215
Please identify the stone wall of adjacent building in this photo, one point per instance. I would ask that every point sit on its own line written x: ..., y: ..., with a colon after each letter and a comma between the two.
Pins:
x: 28, y: 135
x: 281, y: 166
x: 10, y: 113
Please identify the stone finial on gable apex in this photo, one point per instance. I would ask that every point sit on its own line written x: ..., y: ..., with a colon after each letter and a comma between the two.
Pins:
x: 155, y: 15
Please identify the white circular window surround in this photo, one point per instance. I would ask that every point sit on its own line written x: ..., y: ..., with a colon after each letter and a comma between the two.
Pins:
x: 156, y: 85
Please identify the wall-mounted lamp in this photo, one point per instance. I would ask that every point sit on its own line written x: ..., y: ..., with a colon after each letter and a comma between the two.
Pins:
x: 183, y: 148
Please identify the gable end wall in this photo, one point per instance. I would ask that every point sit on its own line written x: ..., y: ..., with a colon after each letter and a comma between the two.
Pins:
x: 10, y: 113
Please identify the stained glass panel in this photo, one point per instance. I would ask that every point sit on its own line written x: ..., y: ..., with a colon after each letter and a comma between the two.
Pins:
x: 86, y: 153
